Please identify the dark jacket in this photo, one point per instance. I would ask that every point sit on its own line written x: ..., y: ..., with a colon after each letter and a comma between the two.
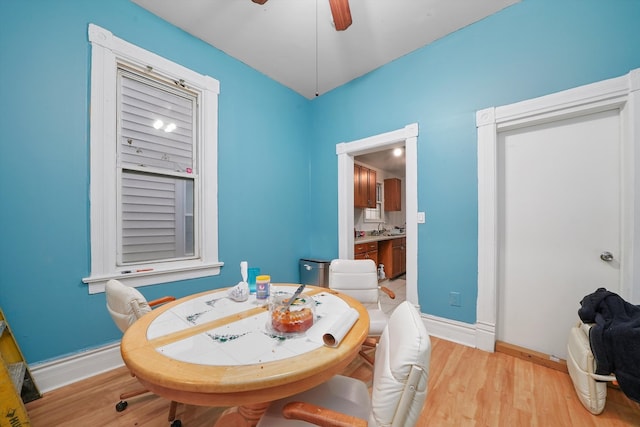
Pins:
x: 615, y: 338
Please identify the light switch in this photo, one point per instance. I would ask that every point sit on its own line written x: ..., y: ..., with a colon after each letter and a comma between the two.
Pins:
x: 421, y: 218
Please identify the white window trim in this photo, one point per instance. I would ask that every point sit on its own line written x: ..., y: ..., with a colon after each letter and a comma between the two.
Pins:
x: 107, y: 51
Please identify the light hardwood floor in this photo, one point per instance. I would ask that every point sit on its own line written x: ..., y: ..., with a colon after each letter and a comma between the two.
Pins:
x: 467, y: 387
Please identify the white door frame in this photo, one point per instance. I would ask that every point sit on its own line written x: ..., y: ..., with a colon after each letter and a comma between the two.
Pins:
x: 346, y: 152
x: 619, y: 93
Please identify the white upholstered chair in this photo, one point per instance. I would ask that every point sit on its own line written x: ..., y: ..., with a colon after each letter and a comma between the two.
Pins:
x: 399, y: 386
x: 590, y: 387
x: 126, y: 305
x: 359, y: 279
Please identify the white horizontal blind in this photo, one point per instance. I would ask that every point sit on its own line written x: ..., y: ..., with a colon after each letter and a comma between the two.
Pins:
x: 156, y: 134
x: 148, y: 217
x: 156, y: 124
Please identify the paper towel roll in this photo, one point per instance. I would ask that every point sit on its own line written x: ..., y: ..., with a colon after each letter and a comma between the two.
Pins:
x: 340, y: 327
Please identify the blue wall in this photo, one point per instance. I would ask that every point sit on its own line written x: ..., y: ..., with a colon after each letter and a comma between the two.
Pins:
x: 44, y: 164
x: 277, y: 168
x: 531, y: 49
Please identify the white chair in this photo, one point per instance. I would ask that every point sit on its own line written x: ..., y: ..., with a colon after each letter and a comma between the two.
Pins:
x: 126, y: 305
x: 359, y: 279
x: 590, y: 387
x: 399, y: 386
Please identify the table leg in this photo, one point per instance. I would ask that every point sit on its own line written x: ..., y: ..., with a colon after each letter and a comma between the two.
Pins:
x: 242, y: 416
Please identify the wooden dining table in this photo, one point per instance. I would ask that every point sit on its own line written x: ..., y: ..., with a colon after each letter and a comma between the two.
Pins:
x: 206, y: 349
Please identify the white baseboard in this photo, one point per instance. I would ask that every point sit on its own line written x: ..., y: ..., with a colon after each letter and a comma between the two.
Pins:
x: 57, y: 373
x: 68, y: 370
x: 451, y: 330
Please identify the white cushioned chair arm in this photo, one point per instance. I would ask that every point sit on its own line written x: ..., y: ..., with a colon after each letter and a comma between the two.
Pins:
x: 377, y: 321
x: 125, y: 304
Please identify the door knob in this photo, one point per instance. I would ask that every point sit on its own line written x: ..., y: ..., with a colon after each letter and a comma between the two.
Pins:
x: 606, y: 256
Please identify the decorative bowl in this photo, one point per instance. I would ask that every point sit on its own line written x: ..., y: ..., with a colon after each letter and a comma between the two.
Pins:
x: 291, y: 319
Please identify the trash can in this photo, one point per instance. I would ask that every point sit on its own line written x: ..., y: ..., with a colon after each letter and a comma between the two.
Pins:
x: 314, y: 272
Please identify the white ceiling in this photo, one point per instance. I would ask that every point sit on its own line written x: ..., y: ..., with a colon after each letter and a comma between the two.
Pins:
x: 281, y: 38
x: 386, y: 161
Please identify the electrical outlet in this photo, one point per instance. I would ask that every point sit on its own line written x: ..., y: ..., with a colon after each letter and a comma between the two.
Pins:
x: 454, y: 299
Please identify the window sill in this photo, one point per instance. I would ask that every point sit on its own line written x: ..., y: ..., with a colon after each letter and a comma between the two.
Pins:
x: 153, y: 277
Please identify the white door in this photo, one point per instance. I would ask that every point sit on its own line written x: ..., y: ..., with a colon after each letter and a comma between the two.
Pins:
x: 559, y: 207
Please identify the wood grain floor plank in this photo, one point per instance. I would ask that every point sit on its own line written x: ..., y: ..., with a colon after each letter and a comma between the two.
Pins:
x: 467, y: 387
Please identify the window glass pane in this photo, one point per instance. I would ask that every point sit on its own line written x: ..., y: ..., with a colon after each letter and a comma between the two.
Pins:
x: 371, y: 214
x: 189, y: 230
x: 156, y: 124
x: 375, y: 214
x: 154, y: 217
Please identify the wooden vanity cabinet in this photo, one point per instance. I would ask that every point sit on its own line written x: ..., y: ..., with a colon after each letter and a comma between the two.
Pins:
x: 366, y: 251
x: 392, y: 194
x: 393, y: 254
x: 364, y: 187
x: 399, y: 256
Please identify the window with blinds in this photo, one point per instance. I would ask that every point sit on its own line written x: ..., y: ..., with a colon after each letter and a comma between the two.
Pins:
x: 156, y: 160
x: 154, y: 167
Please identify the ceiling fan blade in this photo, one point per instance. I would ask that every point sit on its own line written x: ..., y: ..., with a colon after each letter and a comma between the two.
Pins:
x: 341, y: 14
x: 339, y: 9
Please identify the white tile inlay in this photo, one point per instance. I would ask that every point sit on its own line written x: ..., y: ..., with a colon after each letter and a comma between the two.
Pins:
x: 242, y: 342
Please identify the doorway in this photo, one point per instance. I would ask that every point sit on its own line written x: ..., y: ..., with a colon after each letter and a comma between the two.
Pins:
x: 559, y: 212
x: 346, y: 152
x: 546, y: 214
